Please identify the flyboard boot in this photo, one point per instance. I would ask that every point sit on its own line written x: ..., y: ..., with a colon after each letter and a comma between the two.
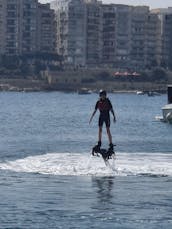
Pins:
x: 110, y: 151
x: 96, y: 149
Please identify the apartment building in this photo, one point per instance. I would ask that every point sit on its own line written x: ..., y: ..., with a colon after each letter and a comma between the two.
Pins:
x: 88, y: 33
x: 123, y: 36
x: 152, y: 41
x: 94, y: 28
x: 167, y: 41
x: 9, y: 26
x: 145, y: 49
x: 165, y: 17
x: 91, y: 33
x: 19, y: 19
x: 71, y: 30
x: 2, y: 28
x: 46, y: 29
x: 26, y: 26
x: 108, y: 34
x: 116, y: 35
x: 129, y: 36
x: 138, y: 33
x: 79, y: 31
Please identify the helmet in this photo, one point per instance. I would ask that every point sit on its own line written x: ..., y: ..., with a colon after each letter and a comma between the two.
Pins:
x: 102, y: 92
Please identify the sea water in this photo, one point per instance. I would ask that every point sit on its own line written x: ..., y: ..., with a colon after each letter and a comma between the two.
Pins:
x: 48, y: 179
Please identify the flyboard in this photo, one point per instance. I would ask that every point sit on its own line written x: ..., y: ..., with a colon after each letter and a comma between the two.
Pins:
x: 106, y: 154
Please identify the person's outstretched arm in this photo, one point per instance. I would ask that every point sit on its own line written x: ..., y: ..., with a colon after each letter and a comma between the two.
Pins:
x: 92, y: 115
x: 113, y: 113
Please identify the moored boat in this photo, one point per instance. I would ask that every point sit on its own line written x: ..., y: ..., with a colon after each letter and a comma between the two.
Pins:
x: 167, y: 109
x: 84, y: 91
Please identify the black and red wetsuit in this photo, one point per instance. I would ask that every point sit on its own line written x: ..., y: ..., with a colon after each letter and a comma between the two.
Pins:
x: 104, y: 106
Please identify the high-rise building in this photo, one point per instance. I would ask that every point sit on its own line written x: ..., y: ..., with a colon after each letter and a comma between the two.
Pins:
x: 108, y: 34
x: 130, y: 37
x: 123, y: 35
x: 167, y: 41
x: 94, y: 28
x: 46, y: 29
x: 79, y: 31
x: 116, y: 34
x: 2, y: 27
x: 165, y: 16
x: 145, y: 38
x: 88, y: 32
x: 71, y: 30
x: 92, y: 34
x: 9, y: 27
x: 26, y: 26
x: 138, y: 35
x: 152, y: 41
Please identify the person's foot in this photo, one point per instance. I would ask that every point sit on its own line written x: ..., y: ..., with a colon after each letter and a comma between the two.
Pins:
x: 96, y: 149
x: 98, y: 146
x: 99, y: 143
x: 111, y: 146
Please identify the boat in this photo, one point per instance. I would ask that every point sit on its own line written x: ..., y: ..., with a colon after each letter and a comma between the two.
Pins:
x: 140, y: 92
x: 167, y: 109
x: 167, y: 113
x: 84, y: 91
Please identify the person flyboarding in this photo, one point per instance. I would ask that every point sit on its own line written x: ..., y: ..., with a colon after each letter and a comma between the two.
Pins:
x: 105, y: 107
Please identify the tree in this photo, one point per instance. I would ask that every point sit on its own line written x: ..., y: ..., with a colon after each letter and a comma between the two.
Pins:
x: 159, y: 75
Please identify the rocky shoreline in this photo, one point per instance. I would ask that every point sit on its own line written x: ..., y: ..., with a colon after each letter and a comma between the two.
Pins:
x: 22, y: 85
x: 90, y: 79
x: 19, y: 85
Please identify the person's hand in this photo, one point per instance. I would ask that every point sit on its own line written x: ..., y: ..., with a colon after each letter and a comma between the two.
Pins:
x: 114, y: 119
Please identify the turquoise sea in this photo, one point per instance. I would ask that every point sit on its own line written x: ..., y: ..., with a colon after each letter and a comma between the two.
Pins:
x: 48, y: 178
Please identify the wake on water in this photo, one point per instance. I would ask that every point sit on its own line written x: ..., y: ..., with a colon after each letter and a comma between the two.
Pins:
x: 125, y: 164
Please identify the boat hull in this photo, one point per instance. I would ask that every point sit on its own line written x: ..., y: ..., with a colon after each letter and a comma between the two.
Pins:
x: 167, y: 113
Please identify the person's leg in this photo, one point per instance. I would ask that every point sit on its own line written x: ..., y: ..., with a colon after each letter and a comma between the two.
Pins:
x: 100, y: 131
x: 96, y: 148
x: 100, y: 134
x: 109, y: 134
x: 107, y: 121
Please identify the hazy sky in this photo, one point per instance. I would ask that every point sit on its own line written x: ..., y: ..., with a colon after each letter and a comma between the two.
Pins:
x: 151, y: 3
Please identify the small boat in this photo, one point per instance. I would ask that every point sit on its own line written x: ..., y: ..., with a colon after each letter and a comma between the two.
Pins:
x: 167, y: 109
x: 84, y: 91
x: 167, y: 113
x: 140, y: 92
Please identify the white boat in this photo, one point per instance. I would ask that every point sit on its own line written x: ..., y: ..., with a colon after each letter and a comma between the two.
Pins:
x: 167, y: 109
x: 140, y: 92
x: 84, y: 91
x: 167, y: 113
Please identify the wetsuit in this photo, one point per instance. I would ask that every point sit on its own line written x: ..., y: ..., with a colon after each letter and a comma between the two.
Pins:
x: 104, y: 106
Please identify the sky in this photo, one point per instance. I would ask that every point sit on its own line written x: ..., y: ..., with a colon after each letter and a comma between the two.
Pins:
x: 152, y: 3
